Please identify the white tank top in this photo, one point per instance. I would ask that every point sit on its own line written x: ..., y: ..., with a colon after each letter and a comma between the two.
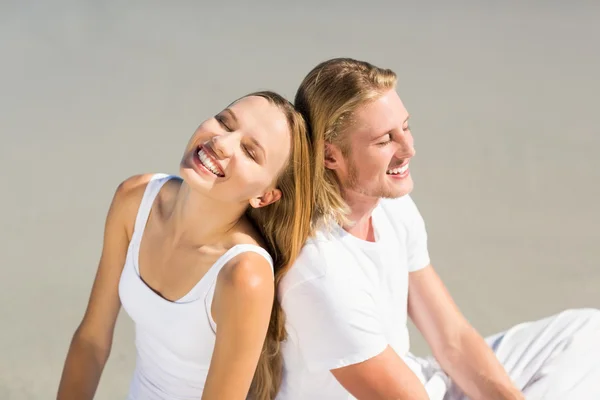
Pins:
x: 174, y: 340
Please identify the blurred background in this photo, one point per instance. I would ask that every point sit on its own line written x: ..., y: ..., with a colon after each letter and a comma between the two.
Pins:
x: 504, y: 104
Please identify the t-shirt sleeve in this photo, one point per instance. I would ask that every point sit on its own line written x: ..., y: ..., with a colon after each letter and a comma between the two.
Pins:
x: 335, y: 324
x: 418, y: 252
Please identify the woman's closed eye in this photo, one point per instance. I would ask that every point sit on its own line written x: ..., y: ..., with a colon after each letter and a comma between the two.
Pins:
x: 223, y: 122
x: 249, y: 152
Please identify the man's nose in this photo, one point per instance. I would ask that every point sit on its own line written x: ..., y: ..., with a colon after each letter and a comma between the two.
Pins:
x: 406, y: 148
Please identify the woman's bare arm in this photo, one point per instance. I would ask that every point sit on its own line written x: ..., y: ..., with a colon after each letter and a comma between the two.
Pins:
x: 242, y: 309
x: 92, y: 340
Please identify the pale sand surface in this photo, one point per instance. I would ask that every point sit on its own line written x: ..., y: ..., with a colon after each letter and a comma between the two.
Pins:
x: 505, y: 111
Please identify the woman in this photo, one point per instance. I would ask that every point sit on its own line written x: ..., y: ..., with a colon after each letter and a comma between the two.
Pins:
x: 186, y: 259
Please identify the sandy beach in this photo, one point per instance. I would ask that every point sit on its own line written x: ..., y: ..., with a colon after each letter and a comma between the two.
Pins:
x: 504, y: 104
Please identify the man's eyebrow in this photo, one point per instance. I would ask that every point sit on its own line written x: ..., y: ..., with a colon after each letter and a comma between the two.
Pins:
x: 378, y: 135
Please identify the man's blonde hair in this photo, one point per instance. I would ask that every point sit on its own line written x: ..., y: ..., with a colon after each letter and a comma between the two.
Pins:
x: 327, y: 98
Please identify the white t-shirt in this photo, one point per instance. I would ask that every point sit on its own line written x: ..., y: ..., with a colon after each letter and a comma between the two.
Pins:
x: 345, y: 300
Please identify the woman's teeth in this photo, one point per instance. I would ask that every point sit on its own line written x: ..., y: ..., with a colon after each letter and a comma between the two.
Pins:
x: 206, y: 161
x: 397, y: 171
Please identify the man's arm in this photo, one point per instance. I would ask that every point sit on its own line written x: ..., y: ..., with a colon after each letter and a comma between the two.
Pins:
x: 337, y: 328
x: 460, y: 350
x: 383, y: 377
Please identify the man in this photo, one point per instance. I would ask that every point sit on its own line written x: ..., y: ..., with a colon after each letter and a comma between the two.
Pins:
x: 348, y: 296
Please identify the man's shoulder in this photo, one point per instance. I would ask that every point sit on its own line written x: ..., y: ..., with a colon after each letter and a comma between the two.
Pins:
x: 401, y: 210
x: 317, y: 262
x: 400, y: 205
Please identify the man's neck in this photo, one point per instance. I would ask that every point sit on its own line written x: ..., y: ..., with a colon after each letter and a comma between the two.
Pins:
x: 361, y: 207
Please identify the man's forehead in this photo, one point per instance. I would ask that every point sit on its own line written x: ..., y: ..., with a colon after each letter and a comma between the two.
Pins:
x: 386, y: 112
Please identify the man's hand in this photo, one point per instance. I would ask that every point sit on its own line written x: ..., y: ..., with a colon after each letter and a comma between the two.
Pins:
x: 460, y: 350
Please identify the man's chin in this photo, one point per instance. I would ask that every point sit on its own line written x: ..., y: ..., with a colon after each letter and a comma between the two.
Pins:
x: 401, y: 189
x: 384, y: 190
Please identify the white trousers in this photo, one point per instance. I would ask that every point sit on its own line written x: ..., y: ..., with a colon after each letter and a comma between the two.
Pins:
x: 555, y: 358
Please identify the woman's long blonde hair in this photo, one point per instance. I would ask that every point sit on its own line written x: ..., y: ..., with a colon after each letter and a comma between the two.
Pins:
x: 285, y: 225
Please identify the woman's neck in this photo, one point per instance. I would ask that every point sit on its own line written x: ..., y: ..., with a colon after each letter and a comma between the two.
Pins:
x: 195, y: 219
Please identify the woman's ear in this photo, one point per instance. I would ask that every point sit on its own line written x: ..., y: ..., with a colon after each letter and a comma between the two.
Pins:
x: 267, y: 198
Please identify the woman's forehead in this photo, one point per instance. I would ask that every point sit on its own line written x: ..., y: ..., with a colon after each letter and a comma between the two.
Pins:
x: 264, y: 121
x: 259, y: 114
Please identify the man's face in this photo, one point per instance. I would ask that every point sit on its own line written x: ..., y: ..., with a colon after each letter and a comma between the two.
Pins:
x: 379, y: 147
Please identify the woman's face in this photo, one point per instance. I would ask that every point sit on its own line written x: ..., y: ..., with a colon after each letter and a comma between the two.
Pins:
x: 237, y: 155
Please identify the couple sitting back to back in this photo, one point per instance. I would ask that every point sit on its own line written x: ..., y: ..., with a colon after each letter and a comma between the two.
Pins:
x: 285, y: 260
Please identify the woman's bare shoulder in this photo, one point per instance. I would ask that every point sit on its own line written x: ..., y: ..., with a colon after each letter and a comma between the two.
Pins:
x: 247, y: 233
x: 127, y: 198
